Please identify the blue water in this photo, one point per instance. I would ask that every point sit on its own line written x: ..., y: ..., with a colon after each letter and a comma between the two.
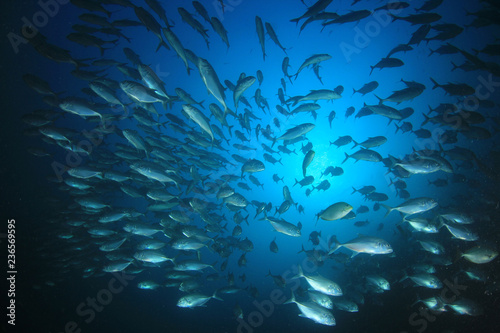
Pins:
x: 55, y: 283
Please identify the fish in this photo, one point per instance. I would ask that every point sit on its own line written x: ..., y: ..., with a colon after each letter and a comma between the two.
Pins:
x: 345, y: 305
x: 195, y: 24
x: 242, y: 85
x: 320, y: 283
x: 371, y: 142
x: 312, y: 60
x: 260, y: 34
x: 367, y: 87
x: 432, y: 247
x: 273, y: 246
x: 151, y: 256
x: 353, y: 16
x: 387, y: 63
x: 151, y: 24
x: 424, y: 280
x: 295, y: 132
x: 430, y: 5
x: 314, y: 312
x: 273, y: 36
x: 461, y: 233
x: 252, y: 166
x: 335, y: 212
x: 305, y: 182
x: 176, y: 44
x: 321, y: 94
x: 140, y: 93
x: 211, y: 81
x: 198, y: 117
x: 158, y: 9
x: 363, y: 244
x: 423, y: 18
x: 220, y: 30
x: 315, y: 9
x: 480, y: 254
x: 400, y: 48
x: 403, y: 95
x: 187, y: 97
x: 413, y: 206
x: 307, y: 160
x: 454, y: 89
x: 194, y: 300
x: 378, y: 281
x: 284, y: 67
x: 364, y: 155
x: 284, y: 227
x: 79, y: 107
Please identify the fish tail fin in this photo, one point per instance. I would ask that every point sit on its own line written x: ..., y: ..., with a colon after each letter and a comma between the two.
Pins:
x: 279, y: 161
x: 404, y: 277
x: 303, y: 250
x: 296, y: 182
x: 430, y: 109
x: 417, y: 301
x: 353, y: 91
x: 291, y: 300
x: 389, y: 209
x: 353, y: 190
x: 269, y: 274
x: 216, y: 297
x: 394, y: 17
x: 454, y: 66
x: 372, y: 67
x: 346, y: 157
x: 380, y: 100
x: 162, y: 43
x: 436, y: 85
x: 392, y: 182
x: 300, y: 273
x: 355, y: 144
x: 427, y: 118
x: 397, y: 128
x: 336, y: 244
x: 440, y: 147
x: 458, y: 256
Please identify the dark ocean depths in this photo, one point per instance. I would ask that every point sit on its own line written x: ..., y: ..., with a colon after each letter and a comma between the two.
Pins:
x: 451, y: 159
